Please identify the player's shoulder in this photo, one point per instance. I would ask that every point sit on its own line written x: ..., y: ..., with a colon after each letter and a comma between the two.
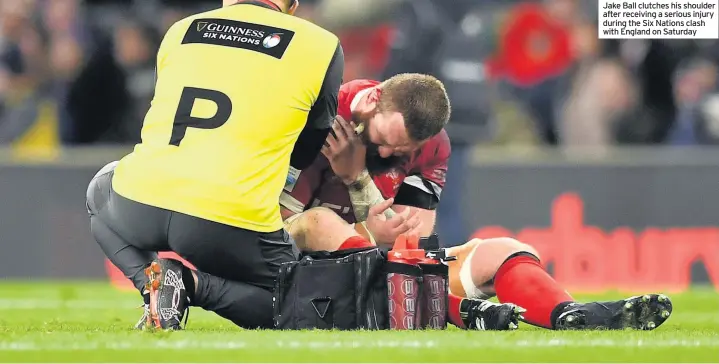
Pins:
x: 358, y: 85
x: 350, y: 89
x: 438, y: 146
x: 435, y: 151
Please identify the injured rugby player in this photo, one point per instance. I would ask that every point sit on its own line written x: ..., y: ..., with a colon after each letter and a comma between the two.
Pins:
x: 398, y: 164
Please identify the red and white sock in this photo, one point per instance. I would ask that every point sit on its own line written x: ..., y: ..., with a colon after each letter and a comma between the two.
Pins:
x: 454, y: 309
x: 523, y: 281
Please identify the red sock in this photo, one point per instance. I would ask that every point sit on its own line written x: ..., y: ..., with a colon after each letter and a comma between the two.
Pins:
x: 355, y: 242
x: 453, y: 310
x: 522, y: 280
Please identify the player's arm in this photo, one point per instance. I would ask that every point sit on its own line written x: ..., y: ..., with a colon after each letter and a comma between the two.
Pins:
x: 295, y: 198
x: 347, y: 161
x: 364, y: 194
x: 324, y: 110
x: 421, y: 197
x: 420, y: 192
x: 286, y: 213
x: 421, y: 203
x: 300, y: 187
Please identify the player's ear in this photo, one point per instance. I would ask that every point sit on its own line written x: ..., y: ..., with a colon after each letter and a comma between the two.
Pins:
x: 374, y: 96
x: 293, y: 7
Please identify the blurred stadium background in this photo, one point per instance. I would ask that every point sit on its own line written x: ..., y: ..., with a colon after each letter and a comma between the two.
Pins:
x: 600, y: 153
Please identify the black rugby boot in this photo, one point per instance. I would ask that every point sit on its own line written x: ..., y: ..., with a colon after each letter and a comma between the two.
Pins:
x: 645, y: 312
x: 486, y: 315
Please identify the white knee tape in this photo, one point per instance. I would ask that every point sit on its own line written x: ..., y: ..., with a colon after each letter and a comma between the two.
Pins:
x: 465, y: 276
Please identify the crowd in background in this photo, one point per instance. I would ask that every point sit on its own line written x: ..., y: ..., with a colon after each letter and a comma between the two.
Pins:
x: 76, y: 72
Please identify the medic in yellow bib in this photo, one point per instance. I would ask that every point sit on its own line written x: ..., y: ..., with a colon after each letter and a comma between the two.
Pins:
x: 239, y: 91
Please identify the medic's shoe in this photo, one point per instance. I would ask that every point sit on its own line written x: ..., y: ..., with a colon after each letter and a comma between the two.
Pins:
x: 142, y: 323
x: 168, y: 298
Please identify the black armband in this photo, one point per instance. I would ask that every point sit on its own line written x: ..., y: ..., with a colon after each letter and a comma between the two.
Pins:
x: 409, y: 195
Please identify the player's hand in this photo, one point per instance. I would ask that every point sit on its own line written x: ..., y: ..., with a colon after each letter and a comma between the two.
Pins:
x: 345, y: 151
x: 385, y: 231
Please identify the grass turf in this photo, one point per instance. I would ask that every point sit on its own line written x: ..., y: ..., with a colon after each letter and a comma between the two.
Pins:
x: 91, y: 322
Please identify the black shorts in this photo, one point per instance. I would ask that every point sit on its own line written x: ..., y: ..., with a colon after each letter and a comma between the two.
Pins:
x: 220, y: 250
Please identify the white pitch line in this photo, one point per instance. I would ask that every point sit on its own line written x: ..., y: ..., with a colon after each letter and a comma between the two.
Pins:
x: 37, y: 304
x: 344, y: 345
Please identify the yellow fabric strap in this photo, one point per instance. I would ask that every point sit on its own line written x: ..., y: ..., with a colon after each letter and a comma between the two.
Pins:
x: 361, y: 228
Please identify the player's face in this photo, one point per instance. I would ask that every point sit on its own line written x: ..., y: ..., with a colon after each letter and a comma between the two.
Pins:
x: 384, y: 132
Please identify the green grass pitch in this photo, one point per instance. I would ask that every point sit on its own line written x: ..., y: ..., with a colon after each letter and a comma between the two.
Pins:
x: 91, y: 322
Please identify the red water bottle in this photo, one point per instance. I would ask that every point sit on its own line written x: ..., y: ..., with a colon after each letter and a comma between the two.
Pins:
x: 404, y: 283
x: 433, y: 301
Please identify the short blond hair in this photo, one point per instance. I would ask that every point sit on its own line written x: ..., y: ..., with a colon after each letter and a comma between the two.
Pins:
x: 421, y: 99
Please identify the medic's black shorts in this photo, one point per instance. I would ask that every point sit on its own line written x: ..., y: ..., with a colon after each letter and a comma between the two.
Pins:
x: 220, y: 250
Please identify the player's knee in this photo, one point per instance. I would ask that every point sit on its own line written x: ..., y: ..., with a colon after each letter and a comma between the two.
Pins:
x: 526, y: 248
x: 308, y: 225
x: 510, y: 246
x: 485, y: 259
x: 320, y: 213
x: 318, y: 219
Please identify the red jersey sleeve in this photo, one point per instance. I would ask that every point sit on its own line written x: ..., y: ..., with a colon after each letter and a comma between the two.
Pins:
x: 434, y: 167
x: 427, y: 174
x: 348, y: 92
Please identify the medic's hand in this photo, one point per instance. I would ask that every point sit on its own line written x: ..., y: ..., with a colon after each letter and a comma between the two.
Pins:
x: 385, y: 231
x: 345, y: 151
